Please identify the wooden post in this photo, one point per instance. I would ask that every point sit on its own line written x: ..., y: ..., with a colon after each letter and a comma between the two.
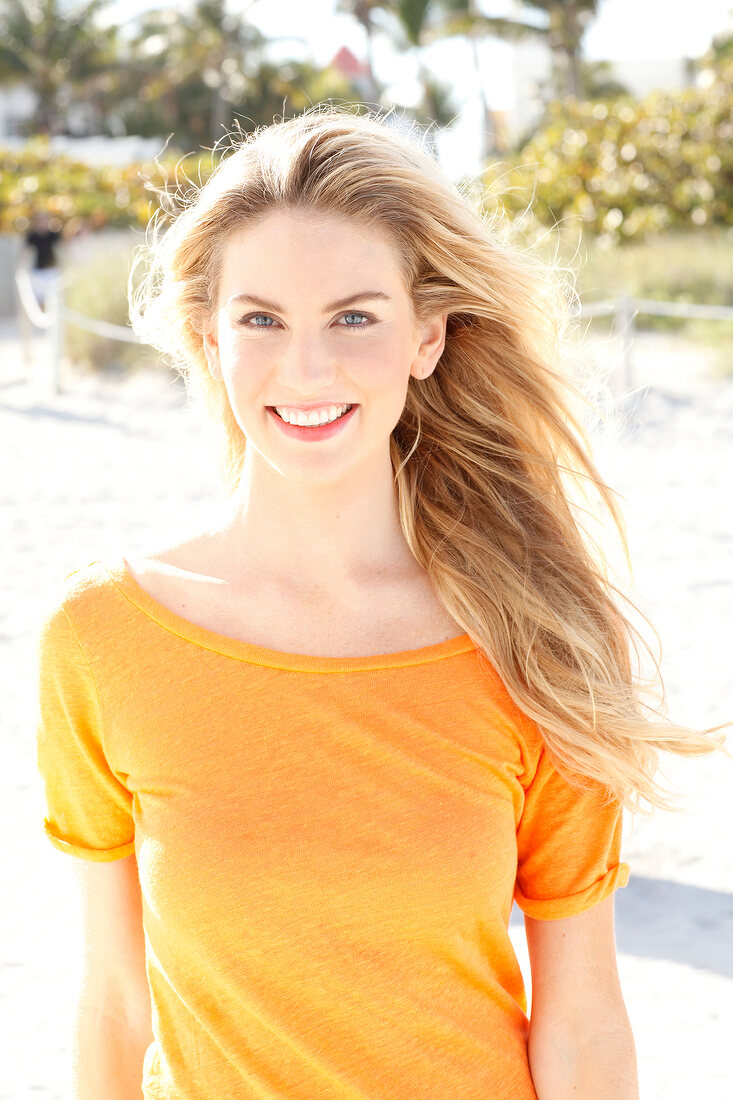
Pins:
x: 54, y: 305
x: 26, y: 329
x: 625, y: 325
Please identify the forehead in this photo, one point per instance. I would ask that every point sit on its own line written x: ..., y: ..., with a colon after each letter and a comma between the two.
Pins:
x: 323, y: 247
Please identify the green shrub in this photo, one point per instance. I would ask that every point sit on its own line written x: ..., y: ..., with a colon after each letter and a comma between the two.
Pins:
x: 624, y: 169
x: 618, y: 169
x: 79, y: 195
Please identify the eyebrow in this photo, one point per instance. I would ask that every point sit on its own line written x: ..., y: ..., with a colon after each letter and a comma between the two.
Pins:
x: 340, y: 304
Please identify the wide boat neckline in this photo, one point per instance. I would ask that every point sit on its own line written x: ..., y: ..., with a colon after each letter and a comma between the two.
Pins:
x: 119, y: 573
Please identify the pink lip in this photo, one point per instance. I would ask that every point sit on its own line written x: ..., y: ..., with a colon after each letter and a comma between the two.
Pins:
x: 321, y: 431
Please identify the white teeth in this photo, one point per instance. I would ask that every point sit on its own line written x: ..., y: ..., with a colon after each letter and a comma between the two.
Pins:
x: 313, y: 419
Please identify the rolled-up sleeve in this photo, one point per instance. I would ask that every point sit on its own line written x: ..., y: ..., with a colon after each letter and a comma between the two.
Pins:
x: 88, y: 807
x: 568, y: 846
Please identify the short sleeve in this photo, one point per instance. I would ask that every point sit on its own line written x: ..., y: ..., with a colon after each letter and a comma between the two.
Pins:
x: 89, y: 810
x: 568, y: 846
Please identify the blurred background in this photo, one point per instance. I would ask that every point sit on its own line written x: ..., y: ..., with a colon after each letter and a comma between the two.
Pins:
x: 610, y: 120
x: 602, y: 133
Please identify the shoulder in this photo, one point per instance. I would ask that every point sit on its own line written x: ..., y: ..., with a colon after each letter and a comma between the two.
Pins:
x: 524, y: 729
x: 86, y: 595
x: 82, y: 586
x: 63, y: 668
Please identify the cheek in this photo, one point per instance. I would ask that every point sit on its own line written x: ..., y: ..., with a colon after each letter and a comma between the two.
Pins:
x: 383, y: 361
x: 243, y: 362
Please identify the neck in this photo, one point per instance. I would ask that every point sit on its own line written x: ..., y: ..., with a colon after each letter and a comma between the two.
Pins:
x: 329, y: 539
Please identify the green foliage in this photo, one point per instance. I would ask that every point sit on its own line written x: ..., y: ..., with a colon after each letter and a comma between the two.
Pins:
x: 80, y: 196
x: 623, y: 169
x: 184, y: 70
x: 58, y: 50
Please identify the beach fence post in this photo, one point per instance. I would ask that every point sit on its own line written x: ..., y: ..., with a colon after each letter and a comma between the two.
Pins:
x: 25, y: 325
x: 625, y: 325
x: 54, y: 305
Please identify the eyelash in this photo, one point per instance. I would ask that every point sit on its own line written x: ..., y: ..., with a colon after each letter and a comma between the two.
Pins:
x: 350, y: 312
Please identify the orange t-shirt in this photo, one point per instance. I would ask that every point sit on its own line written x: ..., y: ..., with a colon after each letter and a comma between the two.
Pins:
x: 328, y: 849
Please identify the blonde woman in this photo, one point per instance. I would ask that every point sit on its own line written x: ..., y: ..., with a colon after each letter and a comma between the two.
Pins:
x: 310, y: 758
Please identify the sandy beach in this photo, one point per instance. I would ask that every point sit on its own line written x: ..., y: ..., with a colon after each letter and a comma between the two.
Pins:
x: 116, y: 463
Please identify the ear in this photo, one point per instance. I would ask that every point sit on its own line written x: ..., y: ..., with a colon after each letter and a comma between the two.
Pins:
x: 211, y: 347
x: 430, y: 349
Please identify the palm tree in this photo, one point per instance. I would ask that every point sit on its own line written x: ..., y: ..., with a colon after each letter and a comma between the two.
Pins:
x: 563, y: 26
x: 55, y: 50
x: 191, y: 66
x: 413, y: 21
x: 195, y: 72
x: 567, y: 22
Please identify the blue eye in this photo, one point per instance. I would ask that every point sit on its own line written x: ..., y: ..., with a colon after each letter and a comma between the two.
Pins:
x: 354, y: 313
x: 264, y: 320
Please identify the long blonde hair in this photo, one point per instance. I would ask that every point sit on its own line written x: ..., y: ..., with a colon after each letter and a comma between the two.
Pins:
x: 485, y: 447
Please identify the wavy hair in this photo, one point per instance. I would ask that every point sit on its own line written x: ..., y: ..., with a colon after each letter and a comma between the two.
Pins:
x: 487, y: 449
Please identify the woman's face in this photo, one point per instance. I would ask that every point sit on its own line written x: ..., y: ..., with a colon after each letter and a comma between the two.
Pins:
x: 314, y: 339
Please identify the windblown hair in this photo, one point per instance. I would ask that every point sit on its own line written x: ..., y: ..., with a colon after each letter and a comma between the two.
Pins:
x: 487, y: 446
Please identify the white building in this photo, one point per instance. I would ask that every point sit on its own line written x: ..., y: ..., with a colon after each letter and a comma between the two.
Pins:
x: 17, y: 104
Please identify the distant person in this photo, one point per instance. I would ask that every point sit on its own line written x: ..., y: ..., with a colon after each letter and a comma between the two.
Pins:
x: 308, y: 758
x: 42, y: 241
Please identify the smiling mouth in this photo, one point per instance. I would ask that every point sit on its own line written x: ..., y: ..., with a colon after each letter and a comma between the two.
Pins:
x: 313, y: 418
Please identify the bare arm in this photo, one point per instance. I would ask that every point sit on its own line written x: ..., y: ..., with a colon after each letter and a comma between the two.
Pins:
x: 580, y: 1039
x: 113, y: 1018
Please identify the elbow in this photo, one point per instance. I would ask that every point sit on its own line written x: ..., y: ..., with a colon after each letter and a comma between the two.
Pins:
x: 590, y: 1062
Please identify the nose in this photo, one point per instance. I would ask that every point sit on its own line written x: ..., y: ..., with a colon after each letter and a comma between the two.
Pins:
x: 305, y: 365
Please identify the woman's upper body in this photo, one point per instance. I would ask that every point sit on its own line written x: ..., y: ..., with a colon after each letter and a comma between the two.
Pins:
x: 332, y: 795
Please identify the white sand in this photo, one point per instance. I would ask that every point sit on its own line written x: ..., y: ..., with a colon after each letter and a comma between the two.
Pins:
x: 113, y: 464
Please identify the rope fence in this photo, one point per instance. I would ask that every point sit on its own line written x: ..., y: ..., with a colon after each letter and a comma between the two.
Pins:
x: 624, y: 310
x: 27, y: 298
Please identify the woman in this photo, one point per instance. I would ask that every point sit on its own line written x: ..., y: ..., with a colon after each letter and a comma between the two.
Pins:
x: 310, y: 757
